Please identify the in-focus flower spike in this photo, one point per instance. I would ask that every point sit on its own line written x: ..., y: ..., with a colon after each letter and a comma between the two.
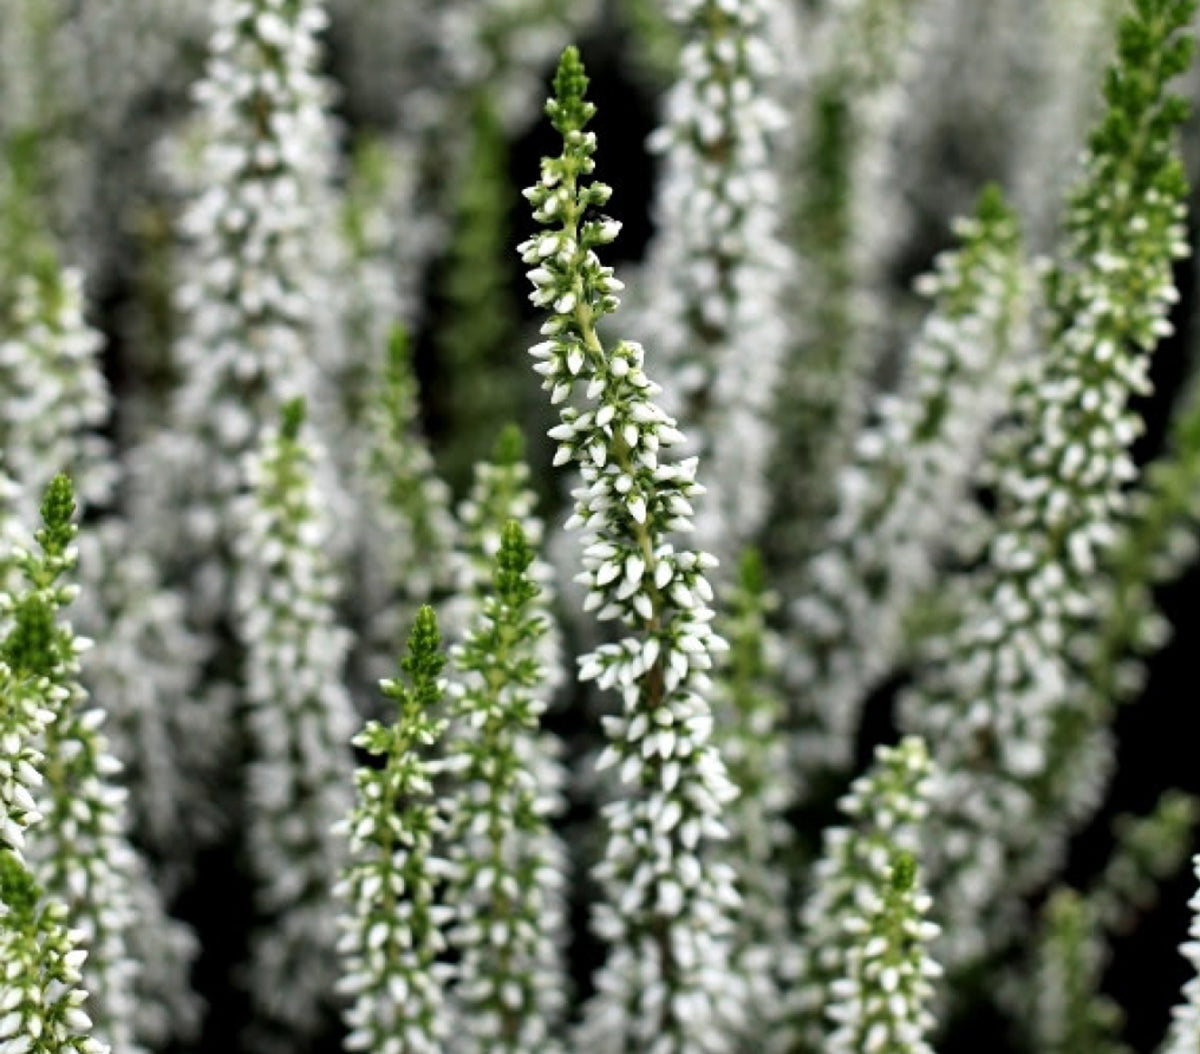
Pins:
x: 80, y: 852
x: 865, y: 981
x: 409, y: 531
x: 500, y: 493
x: 995, y: 694
x: 56, y: 399
x: 715, y: 272
x: 300, y: 721
x: 1070, y: 1014
x: 392, y: 929
x: 750, y: 719
x: 41, y: 986
x: 507, y: 889
x: 666, y: 986
x: 910, y: 468
x: 1184, y: 1034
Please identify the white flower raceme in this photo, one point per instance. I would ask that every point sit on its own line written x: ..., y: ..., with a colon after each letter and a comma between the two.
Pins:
x: 56, y: 398
x: 392, y: 928
x: 995, y: 694
x: 81, y: 854
x: 911, y: 467
x: 665, y: 987
x: 253, y: 284
x: 42, y: 992
x: 507, y: 887
x: 715, y: 271
x: 1184, y: 1035
x: 500, y: 492
x: 750, y: 713
x: 865, y: 982
x: 300, y: 721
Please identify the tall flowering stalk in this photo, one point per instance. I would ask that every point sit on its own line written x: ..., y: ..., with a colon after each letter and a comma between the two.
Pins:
x: 910, y: 467
x: 866, y: 977
x: 507, y: 889
x: 42, y: 990
x: 392, y: 928
x: 750, y: 717
x: 715, y: 272
x: 1184, y: 1034
x: 300, y: 722
x: 81, y: 854
x: 994, y: 696
x: 665, y: 986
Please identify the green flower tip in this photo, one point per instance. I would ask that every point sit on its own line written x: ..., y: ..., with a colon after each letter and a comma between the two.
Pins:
x: 18, y: 889
x: 569, y: 111
x: 510, y: 447
x: 58, y: 508
x: 292, y: 418
x: 752, y: 572
x: 512, y: 565
x: 398, y: 349
x: 992, y: 209
x: 424, y: 658
x: 904, y: 873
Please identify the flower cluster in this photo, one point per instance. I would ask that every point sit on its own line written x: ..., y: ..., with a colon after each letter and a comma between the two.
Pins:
x: 392, y: 931
x: 81, y: 855
x: 1184, y: 1035
x: 714, y: 274
x: 300, y: 721
x: 995, y: 695
x: 41, y: 988
x: 866, y: 977
x: 665, y: 985
x: 507, y: 889
x: 910, y: 466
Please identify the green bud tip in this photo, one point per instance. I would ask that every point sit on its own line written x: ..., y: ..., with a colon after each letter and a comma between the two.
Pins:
x: 293, y: 418
x: 510, y: 446
x: 904, y: 873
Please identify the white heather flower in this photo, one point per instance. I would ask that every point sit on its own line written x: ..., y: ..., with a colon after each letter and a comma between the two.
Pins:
x: 910, y: 468
x: 865, y: 981
x: 80, y: 853
x: 1184, y: 1034
x: 507, y: 888
x: 714, y: 274
x: 408, y: 531
x: 252, y: 289
x: 500, y: 492
x: 392, y: 928
x: 300, y: 721
x: 43, y: 1001
x: 666, y: 986
x: 995, y: 696
x: 56, y: 398
x: 749, y: 712
x: 846, y: 217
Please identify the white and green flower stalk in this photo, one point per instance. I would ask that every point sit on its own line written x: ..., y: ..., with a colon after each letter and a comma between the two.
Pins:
x: 392, y: 928
x: 300, y: 722
x: 1184, y: 1034
x: 507, y: 889
x: 409, y: 532
x: 841, y: 225
x: 80, y: 853
x: 750, y: 714
x: 994, y: 696
x: 714, y: 274
x: 666, y: 987
x: 500, y: 493
x: 25, y: 712
x: 866, y: 976
x: 56, y: 398
x: 42, y: 989
x: 253, y: 281
x: 910, y: 468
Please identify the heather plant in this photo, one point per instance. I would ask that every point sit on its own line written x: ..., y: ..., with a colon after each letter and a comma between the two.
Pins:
x: 791, y: 715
